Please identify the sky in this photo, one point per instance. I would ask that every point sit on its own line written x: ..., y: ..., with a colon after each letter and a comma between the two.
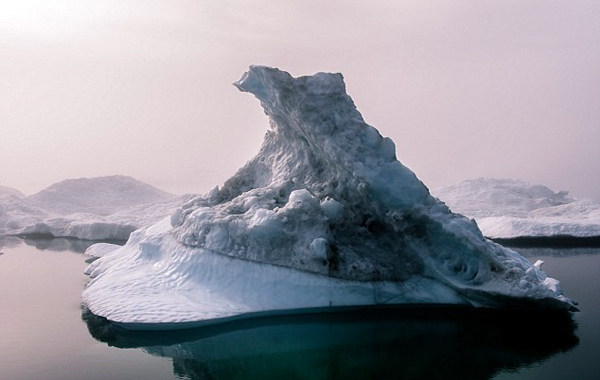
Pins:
x: 466, y: 89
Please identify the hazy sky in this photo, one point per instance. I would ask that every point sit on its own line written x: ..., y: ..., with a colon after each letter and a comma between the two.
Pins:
x: 143, y: 87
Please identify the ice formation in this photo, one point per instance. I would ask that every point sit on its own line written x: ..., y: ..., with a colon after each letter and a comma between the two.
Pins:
x: 103, y: 208
x: 324, y: 215
x: 4, y: 190
x: 505, y: 208
x: 100, y: 195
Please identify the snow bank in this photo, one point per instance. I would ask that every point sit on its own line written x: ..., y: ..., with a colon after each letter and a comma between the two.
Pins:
x: 324, y: 215
x: 101, y: 249
x: 105, y: 208
x: 511, y: 208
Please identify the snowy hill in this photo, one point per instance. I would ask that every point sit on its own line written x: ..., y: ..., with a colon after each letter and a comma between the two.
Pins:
x: 323, y: 216
x: 506, y: 208
x: 106, y: 208
x: 100, y: 196
x: 10, y: 191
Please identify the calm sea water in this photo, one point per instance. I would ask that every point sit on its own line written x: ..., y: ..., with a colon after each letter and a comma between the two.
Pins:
x: 44, y: 333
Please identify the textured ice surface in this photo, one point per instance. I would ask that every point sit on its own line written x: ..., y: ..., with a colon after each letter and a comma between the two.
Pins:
x: 505, y: 208
x: 104, y: 208
x: 324, y: 215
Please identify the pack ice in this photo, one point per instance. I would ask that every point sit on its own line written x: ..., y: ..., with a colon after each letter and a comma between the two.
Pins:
x: 508, y: 208
x: 323, y: 216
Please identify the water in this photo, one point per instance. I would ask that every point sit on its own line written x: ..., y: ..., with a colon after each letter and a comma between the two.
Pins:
x: 46, y: 335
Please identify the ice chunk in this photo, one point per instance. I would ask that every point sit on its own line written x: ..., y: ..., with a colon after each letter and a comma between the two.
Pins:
x: 101, y: 249
x: 538, y: 264
x: 318, y: 247
x: 332, y: 209
x: 553, y: 285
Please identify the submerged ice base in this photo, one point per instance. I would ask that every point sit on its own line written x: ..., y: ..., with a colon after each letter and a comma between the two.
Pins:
x: 323, y: 216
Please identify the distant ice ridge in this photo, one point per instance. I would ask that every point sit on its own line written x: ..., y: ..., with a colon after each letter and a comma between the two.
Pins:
x: 507, y: 208
x: 103, y: 208
x: 10, y: 191
x: 323, y: 216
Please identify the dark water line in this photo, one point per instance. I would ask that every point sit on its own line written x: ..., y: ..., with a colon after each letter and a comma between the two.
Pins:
x: 558, y: 241
x: 49, y: 242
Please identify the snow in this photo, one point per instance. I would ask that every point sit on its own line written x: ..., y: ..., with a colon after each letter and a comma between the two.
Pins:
x: 101, y: 249
x: 506, y: 208
x: 104, y: 208
x: 323, y: 216
x: 99, y: 196
x: 4, y: 190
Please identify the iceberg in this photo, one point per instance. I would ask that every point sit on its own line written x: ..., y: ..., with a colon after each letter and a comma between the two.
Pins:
x: 509, y: 209
x: 99, y: 195
x: 323, y: 217
x: 102, y: 208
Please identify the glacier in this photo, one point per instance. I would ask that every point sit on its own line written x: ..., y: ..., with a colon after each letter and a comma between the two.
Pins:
x: 101, y: 208
x: 323, y: 217
x: 509, y: 208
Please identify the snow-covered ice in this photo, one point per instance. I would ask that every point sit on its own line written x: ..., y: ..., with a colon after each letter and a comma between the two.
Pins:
x: 323, y: 216
x: 4, y: 190
x: 103, y: 208
x: 100, y: 195
x: 508, y: 208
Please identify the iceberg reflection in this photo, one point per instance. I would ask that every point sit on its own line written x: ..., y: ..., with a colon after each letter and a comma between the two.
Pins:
x: 410, y: 342
x: 51, y: 243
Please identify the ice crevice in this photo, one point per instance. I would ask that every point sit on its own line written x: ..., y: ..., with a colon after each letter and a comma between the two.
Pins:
x: 324, y: 215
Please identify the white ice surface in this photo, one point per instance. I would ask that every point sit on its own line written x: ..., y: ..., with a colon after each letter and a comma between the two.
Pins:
x: 154, y: 279
x: 101, y: 249
x: 324, y: 215
x: 104, y: 208
x: 511, y: 208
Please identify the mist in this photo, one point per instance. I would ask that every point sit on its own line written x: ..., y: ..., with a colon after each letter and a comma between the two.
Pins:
x: 143, y: 88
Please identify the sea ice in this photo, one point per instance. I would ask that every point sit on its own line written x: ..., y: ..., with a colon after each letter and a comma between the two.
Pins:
x: 103, y: 208
x: 506, y: 208
x: 99, y: 196
x: 323, y: 216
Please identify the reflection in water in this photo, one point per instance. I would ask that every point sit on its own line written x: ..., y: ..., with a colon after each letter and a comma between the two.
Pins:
x: 414, y: 343
x: 9, y: 242
x: 50, y: 243
x: 555, y: 252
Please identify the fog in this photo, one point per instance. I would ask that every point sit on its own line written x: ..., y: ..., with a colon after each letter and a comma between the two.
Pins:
x: 506, y: 89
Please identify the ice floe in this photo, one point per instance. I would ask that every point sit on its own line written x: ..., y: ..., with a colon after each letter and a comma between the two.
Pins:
x: 508, y: 208
x: 103, y: 208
